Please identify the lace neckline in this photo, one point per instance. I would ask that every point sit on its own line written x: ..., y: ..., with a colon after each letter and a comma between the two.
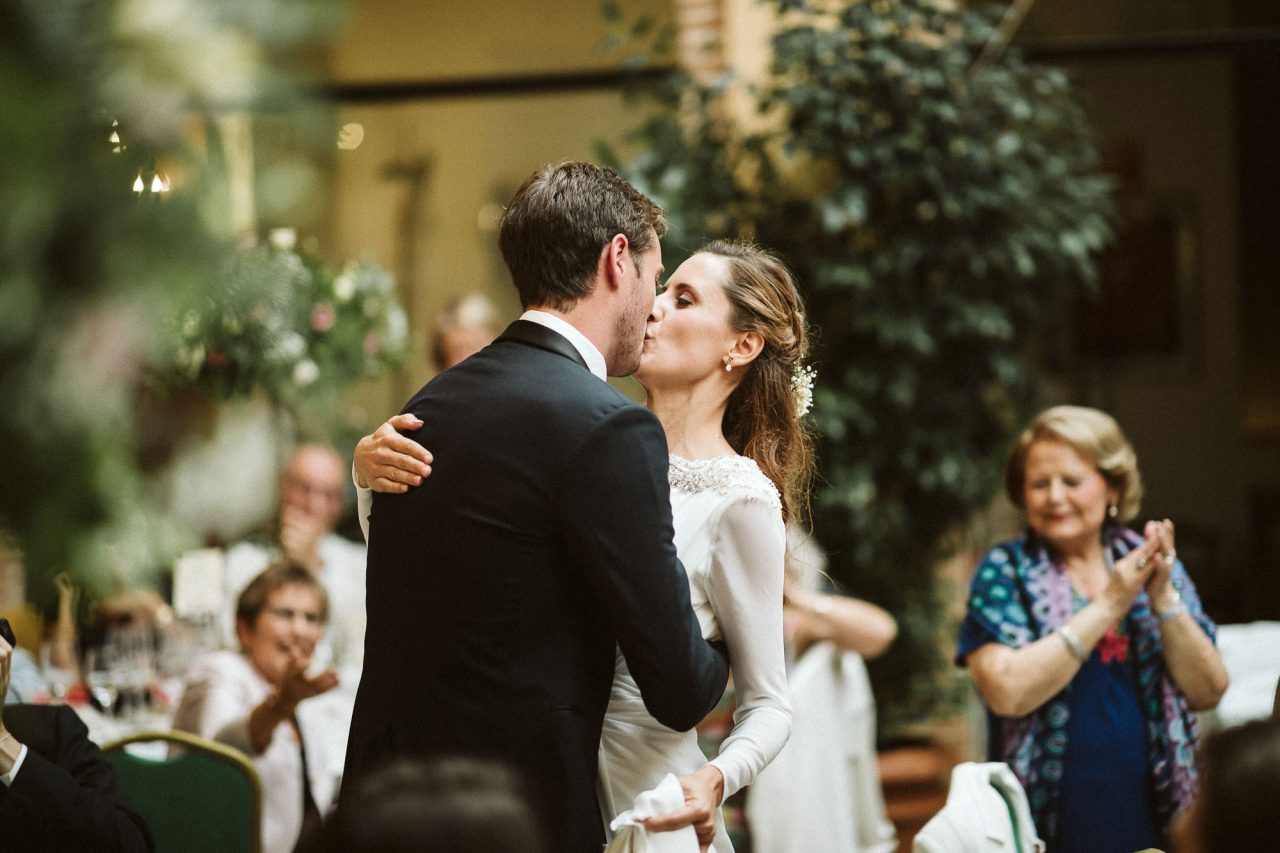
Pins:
x: 722, y: 474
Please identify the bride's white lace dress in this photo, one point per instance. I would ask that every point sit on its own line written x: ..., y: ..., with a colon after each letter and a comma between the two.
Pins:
x: 730, y: 536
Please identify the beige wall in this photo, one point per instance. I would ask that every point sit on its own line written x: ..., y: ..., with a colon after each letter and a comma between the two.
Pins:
x: 451, y: 39
x: 477, y: 149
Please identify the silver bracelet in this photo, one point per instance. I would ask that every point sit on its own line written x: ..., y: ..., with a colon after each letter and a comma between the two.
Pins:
x: 1073, y: 643
x: 1177, y: 609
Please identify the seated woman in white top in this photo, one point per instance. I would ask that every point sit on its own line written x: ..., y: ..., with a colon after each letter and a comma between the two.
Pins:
x: 255, y: 701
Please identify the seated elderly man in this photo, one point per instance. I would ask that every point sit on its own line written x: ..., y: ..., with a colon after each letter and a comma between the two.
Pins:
x: 57, y: 792
x: 312, y: 497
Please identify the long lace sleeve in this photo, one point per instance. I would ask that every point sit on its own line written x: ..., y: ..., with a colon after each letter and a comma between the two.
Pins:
x: 745, y: 590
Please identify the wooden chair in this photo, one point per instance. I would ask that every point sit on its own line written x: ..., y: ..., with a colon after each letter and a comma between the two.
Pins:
x: 197, y: 795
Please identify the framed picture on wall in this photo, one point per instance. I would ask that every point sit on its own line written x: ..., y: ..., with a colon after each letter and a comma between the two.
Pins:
x: 1144, y: 309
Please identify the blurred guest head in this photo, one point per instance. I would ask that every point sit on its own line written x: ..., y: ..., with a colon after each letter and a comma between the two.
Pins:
x: 1239, y: 792
x: 447, y: 805
x: 466, y: 325
x: 280, y: 616
x: 1071, y: 472
x: 315, y: 483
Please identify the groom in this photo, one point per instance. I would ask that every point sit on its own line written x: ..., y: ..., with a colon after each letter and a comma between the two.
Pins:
x: 498, y: 590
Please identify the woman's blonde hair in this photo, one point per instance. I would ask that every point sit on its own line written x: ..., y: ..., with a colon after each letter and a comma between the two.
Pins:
x: 761, y: 420
x: 1093, y: 434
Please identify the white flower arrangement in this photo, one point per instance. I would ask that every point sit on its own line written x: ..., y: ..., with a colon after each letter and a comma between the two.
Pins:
x: 802, y: 388
x: 284, y: 324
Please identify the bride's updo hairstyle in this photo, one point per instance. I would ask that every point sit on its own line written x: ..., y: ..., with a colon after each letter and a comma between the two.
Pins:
x: 762, y: 420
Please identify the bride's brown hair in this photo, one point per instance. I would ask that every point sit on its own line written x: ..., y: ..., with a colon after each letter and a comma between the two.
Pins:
x: 761, y: 419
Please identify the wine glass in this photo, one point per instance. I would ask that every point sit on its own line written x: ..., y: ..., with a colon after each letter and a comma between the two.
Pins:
x: 137, y: 667
x: 59, y: 677
x: 102, y: 676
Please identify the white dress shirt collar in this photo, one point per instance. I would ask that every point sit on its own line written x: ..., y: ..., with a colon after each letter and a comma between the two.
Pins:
x: 588, y: 351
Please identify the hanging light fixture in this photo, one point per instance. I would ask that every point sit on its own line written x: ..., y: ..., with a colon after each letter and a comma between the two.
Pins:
x: 139, y: 185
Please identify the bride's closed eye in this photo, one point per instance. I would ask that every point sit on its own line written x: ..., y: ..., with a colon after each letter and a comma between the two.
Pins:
x: 684, y: 296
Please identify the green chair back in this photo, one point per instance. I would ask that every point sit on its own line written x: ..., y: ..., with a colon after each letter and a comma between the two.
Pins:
x: 203, y: 796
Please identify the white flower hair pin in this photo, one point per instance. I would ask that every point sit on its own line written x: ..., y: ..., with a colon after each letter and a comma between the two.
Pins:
x: 802, y: 388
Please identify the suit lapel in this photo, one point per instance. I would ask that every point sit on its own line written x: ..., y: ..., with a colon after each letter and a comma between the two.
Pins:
x: 533, y: 334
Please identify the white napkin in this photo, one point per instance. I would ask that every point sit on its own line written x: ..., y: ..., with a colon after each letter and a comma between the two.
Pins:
x: 198, y: 583
x: 667, y: 797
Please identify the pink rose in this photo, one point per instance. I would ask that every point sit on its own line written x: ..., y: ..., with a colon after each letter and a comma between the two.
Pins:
x: 323, y: 317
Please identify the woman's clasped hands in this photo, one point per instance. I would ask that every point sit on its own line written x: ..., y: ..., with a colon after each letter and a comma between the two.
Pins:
x: 1149, y: 568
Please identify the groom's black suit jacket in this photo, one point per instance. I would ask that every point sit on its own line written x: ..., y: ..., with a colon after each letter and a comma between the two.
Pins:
x: 497, y: 591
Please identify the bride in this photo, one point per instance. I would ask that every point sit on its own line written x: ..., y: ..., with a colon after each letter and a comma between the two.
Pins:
x: 722, y: 369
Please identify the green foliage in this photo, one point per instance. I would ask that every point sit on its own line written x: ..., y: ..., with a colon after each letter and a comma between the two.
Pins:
x: 280, y: 323
x: 936, y: 208
x: 89, y: 268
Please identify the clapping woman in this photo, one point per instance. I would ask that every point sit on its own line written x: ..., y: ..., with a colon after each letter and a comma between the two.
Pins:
x: 256, y: 701
x: 1088, y: 643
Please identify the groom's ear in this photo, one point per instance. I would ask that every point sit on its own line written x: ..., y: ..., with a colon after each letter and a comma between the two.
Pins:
x: 614, y: 257
x: 747, y: 347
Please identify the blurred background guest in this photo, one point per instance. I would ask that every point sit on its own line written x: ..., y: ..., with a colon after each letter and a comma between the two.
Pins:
x: 459, y: 805
x: 57, y: 792
x: 1088, y: 644
x: 255, y: 701
x: 467, y: 325
x: 822, y: 794
x: 313, y: 494
x: 25, y: 682
x: 1240, y: 787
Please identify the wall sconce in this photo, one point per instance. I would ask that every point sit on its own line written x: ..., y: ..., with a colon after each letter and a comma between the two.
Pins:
x: 158, y: 184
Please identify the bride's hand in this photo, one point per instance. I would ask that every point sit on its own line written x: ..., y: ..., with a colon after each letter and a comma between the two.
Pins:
x: 703, y: 791
x: 386, y: 461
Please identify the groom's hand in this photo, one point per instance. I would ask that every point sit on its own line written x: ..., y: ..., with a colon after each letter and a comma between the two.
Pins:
x: 386, y: 461
x: 703, y: 791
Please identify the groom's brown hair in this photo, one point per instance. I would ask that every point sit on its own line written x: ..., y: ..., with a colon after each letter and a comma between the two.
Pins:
x: 559, y: 221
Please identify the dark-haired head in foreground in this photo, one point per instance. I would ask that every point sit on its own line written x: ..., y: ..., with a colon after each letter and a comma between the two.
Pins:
x: 458, y: 805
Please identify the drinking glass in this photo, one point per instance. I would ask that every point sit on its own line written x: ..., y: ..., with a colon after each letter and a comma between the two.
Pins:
x: 59, y: 678
x: 102, y: 676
